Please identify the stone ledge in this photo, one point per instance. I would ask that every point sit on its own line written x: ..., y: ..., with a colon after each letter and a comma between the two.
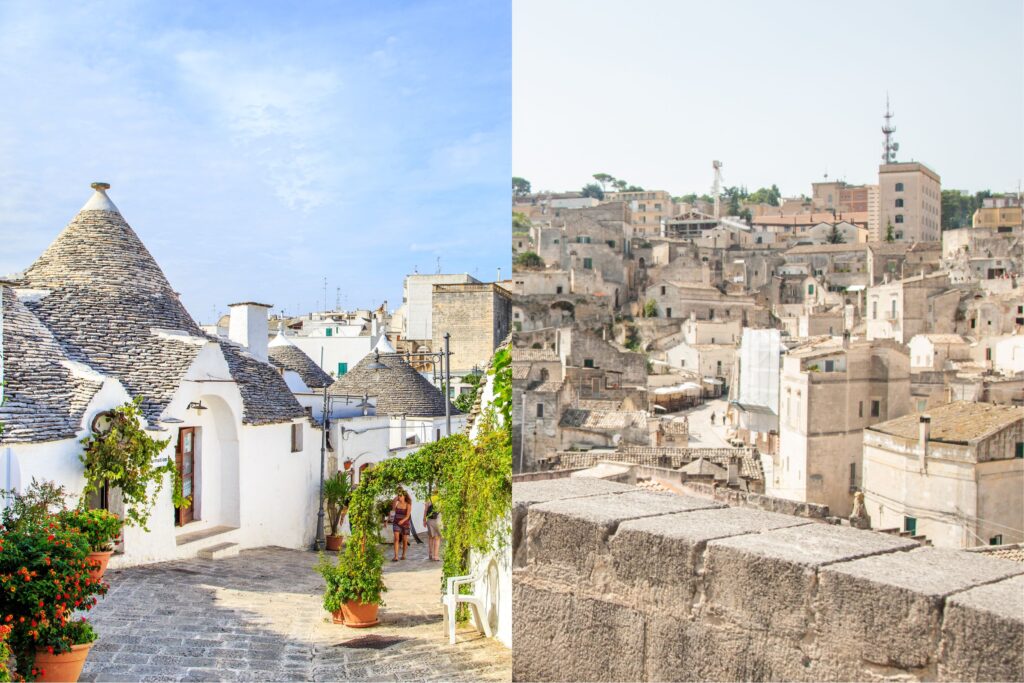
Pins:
x: 640, y: 586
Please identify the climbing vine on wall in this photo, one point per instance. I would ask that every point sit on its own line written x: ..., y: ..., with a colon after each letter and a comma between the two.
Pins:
x: 124, y: 457
x: 473, y: 485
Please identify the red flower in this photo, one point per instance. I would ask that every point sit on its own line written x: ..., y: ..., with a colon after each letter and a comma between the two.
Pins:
x: 41, y: 603
x: 50, y: 537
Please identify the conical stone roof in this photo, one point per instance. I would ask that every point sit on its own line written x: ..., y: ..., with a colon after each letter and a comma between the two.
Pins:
x: 43, y: 399
x: 107, y: 303
x: 399, y: 389
x: 287, y: 356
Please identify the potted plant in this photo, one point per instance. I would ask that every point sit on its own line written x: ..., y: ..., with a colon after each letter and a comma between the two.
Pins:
x: 44, y: 579
x: 100, y: 528
x: 61, y: 650
x: 337, y: 492
x: 355, y: 585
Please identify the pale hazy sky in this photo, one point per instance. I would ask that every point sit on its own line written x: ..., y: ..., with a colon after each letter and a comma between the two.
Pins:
x: 258, y: 146
x: 781, y: 92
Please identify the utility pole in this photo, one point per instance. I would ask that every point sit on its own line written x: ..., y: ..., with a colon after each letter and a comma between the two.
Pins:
x: 447, y: 385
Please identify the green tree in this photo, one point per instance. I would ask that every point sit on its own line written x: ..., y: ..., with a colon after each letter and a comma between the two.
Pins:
x: 620, y: 185
x: 604, y: 179
x: 520, y: 223
x: 890, y: 234
x: 465, y: 400
x: 528, y: 260
x: 835, y: 236
x: 520, y: 186
x: 593, y: 190
x: 766, y: 195
x: 651, y: 309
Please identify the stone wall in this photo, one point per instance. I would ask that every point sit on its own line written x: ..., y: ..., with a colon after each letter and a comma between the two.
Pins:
x: 478, y: 316
x: 613, y: 583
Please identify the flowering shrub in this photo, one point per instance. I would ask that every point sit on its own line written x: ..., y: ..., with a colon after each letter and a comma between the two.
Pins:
x: 5, y: 654
x: 100, y: 527
x: 44, y: 578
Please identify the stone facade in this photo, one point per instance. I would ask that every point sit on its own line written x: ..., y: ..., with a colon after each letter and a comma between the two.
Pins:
x: 477, y: 315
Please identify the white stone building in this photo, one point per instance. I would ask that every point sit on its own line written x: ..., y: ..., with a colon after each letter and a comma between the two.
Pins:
x: 94, y: 323
x: 954, y: 475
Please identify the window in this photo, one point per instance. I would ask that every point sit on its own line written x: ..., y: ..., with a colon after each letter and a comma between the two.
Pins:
x: 899, y: 218
x: 718, y: 368
x: 874, y: 310
x: 588, y: 264
x: 899, y: 203
x: 668, y: 312
x: 540, y: 410
x: 899, y: 187
x: 682, y: 362
x: 711, y: 313
x: 544, y: 375
x: 583, y: 239
x: 892, y: 307
x: 641, y: 207
x: 342, y: 369
x: 657, y: 207
x: 296, y: 437
x: 663, y: 290
x: 996, y: 540
x: 588, y: 362
x: 611, y: 243
x: 988, y: 353
x: 595, y: 384
x: 810, y: 289
x: 437, y: 435
x: 922, y: 405
x: 853, y: 475
x: 1019, y: 452
x: 329, y: 331
x: 558, y: 289
x: 910, y: 524
x: 876, y: 408
x: 860, y: 409
x: 555, y: 241
x: 830, y: 366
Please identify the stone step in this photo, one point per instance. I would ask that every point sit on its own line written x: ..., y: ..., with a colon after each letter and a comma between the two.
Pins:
x: 219, y: 551
x: 195, y: 536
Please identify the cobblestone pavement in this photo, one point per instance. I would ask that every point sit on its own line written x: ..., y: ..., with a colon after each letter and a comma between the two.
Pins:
x: 258, y: 617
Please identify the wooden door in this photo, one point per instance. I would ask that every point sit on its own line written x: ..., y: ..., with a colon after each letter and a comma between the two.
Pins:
x: 186, y: 462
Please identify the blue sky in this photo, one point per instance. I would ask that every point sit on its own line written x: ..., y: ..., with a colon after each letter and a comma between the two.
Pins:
x: 781, y: 92
x: 258, y: 147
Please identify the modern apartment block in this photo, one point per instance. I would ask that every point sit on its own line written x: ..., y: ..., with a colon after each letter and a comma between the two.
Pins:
x: 910, y: 199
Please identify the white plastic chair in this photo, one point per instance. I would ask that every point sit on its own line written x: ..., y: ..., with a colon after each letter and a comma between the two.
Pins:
x: 477, y: 604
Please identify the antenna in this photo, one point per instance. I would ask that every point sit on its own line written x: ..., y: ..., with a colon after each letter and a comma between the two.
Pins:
x: 337, y: 298
x: 325, y: 292
x: 438, y: 265
x: 716, y: 189
x: 889, y: 147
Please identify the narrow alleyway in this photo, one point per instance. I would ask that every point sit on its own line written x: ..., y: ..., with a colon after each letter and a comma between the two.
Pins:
x: 258, y: 617
x: 702, y: 433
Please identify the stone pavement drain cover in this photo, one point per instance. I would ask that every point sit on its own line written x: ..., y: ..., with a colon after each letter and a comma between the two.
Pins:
x: 372, y: 642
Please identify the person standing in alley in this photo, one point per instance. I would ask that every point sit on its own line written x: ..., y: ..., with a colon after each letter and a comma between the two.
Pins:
x: 431, y: 520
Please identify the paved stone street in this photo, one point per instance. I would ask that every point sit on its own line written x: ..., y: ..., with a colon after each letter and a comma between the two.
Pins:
x: 258, y: 617
x: 702, y: 433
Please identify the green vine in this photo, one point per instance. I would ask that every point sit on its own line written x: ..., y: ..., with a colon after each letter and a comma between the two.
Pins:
x: 124, y: 458
x: 473, y: 485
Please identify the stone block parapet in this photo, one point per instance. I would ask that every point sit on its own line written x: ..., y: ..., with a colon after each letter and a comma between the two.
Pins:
x: 614, y: 583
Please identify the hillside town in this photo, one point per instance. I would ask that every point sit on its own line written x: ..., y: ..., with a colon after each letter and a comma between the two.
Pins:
x: 858, y: 350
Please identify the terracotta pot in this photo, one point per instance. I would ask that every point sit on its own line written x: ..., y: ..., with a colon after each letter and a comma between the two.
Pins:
x: 359, y: 614
x: 333, y: 542
x: 98, y: 563
x: 67, y: 666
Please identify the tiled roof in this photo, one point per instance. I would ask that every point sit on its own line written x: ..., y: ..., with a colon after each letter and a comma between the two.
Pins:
x: 1014, y: 552
x: 288, y: 356
x: 399, y: 389
x: 526, y: 355
x: 265, y: 396
x: 43, y: 399
x: 958, y: 422
x: 603, y: 420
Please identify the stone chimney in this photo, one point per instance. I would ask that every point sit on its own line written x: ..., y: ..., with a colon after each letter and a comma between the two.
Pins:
x: 846, y: 339
x: 734, y: 472
x: 924, y: 431
x: 248, y: 326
